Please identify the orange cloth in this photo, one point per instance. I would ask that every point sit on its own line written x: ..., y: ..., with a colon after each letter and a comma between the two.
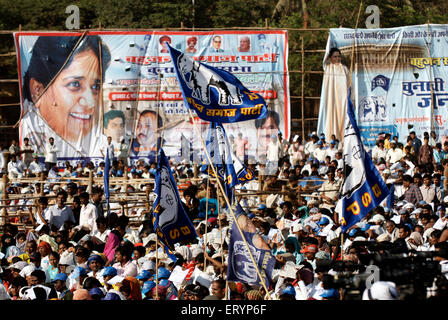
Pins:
x: 133, y: 285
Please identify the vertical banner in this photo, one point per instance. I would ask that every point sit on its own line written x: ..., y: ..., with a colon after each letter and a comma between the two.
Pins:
x: 399, y: 80
x: 64, y: 75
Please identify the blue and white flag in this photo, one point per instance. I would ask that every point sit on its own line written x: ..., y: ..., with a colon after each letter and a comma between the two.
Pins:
x: 231, y: 171
x: 240, y: 266
x: 171, y: 222
x: 363, y: 188
x: 391, y: 198
x: 216, y: 95
x: 106, y: 182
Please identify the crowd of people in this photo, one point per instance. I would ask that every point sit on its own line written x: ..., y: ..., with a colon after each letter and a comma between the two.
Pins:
x: 75, y: 249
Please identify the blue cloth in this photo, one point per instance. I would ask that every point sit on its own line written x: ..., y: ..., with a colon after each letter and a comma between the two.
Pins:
x: 211, y: 203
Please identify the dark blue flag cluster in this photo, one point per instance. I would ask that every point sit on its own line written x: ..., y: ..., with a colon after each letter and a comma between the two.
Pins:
x: 363, y: 188
x: 231, y: 171
x: 240, y: 266
x: 171, y: 222
x: 215, y: 95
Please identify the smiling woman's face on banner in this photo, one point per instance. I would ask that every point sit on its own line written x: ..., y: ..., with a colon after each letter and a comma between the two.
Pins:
x: 70, y: 104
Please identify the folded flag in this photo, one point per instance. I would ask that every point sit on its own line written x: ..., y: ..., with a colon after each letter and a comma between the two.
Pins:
x: 171, y: 222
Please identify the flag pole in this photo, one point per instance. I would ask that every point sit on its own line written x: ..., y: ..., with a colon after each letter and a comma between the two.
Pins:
x: 227, y: 199
x: 157, y: 269
x: 221, y: 240
x: 206, y: 224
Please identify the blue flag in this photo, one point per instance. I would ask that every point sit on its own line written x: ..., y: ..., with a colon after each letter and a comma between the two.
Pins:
x: 216, y: 95
x: 171, y: 222
x: 391, y: 198
x: 106, y: 183
x: 363, y: 188
x: 231, y: 171
x: 240, y: 266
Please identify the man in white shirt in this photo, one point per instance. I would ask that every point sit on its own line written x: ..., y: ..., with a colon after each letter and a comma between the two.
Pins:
x: 394, y: 154
x: 332, y: 150
x: 35, y: 167
x: 16, y: 168
x: 311, y: 145
x: 51, y: 154
x: 87, y: 215
x: 59, y: 213
x: 27, y: 151
x: 379, y: 151
x: 320, y: 153
x: 108, y: 147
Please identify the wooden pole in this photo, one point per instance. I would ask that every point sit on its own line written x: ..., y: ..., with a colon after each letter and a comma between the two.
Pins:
x: 42, y: 177
x: 303, y: 90
x: 90, y: 186
x: 4, y: 211
x: 126, y: 184
x: 206, y: 218
x: 431, y: 73
x: 147, y: 198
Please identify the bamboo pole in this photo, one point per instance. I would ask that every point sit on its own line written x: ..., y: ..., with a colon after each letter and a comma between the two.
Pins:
x: 431, y: 77
x: 302, y: 103
x: 4, y: 212
x: 206, y: 218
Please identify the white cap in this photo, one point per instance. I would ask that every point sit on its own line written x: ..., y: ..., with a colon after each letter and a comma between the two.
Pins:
x: 27, y: 270
x: 377, y: 218
x: 381, y: 290
x: 115, y: 280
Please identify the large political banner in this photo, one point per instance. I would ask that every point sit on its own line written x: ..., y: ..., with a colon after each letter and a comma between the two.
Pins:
x: 399, y: 79
x: 80, y: 88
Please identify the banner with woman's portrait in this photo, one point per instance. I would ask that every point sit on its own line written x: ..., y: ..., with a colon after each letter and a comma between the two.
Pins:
x: 81, y: 88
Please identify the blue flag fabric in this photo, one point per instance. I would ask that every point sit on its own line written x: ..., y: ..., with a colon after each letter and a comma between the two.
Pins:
x: 391, y: 198
x: 363, y: 188
x: 106, y: 182
x: 231, y: 171
x: 240, y: 266
x: 216, y: 95
x: 171, y: 222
